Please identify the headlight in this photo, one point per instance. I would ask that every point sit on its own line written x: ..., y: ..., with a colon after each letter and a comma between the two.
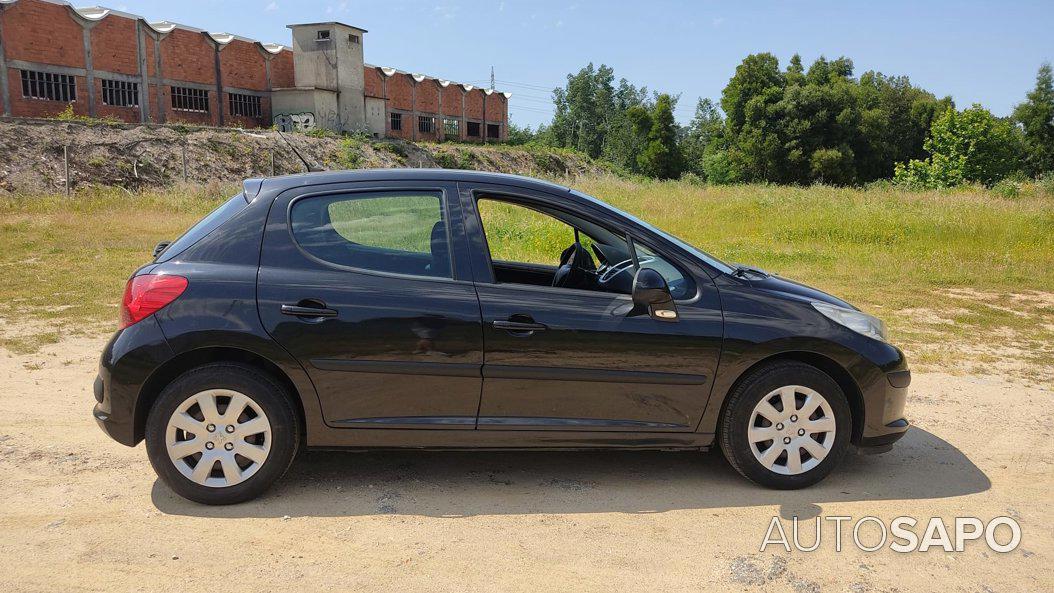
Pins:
x: 861, y: 323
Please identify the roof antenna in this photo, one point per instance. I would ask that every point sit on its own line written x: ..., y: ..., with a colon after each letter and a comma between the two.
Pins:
x: 310, y: 168
x: 492, y: 78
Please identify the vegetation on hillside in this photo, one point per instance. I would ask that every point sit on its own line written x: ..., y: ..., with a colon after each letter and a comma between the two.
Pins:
x: 803, y: 126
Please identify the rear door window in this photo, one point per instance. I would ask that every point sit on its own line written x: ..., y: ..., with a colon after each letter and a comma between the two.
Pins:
x: 393, y: 232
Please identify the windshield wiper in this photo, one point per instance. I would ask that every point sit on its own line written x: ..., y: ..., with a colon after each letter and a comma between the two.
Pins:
x: 742, y: 271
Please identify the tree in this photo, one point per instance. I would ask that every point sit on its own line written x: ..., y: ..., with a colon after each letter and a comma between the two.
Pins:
x: 704, y: 131
x: 969, y: 146
x: 1036, y: 117
x: 660, y: 156
x: 520, y: 134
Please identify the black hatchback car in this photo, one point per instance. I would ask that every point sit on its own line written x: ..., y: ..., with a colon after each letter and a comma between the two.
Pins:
x: 387, y: 308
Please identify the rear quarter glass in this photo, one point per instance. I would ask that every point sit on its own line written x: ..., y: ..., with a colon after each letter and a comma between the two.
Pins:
x: 206, y: 225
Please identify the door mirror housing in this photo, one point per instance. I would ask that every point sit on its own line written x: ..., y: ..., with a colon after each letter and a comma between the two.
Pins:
x: 651, y: 295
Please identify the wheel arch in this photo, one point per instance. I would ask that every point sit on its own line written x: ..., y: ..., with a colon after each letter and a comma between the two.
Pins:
x: 190, y: 359
x: 831, y: 367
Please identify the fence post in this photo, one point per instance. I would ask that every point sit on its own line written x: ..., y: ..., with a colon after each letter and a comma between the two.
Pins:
x: 184, y: 146
x: 66, y: 166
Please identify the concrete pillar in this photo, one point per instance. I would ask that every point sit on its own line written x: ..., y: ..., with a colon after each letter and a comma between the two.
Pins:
x: 5, y: 94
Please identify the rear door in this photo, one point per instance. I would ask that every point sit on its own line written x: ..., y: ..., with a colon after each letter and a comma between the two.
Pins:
x: 366, y: 285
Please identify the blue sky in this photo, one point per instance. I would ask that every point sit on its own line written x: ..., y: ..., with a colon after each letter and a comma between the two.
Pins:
x: 973, y: 51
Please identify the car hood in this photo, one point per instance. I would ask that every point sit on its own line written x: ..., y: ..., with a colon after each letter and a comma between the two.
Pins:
x: 787, y: 288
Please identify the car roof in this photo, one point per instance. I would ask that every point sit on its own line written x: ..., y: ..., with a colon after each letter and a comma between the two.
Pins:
x: 325, y: 177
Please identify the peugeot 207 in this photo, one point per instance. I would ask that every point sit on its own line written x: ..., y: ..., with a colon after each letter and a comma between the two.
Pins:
x: 409, y: 309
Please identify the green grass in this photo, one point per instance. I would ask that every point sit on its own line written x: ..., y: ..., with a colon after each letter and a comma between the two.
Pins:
x: 944, y: 269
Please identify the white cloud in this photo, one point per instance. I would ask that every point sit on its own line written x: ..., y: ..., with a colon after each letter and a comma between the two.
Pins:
x: 718, y: 21
x: 273, y: 6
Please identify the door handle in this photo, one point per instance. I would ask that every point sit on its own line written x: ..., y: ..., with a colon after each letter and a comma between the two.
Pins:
x: 301, y: 311
x: 519, y: 326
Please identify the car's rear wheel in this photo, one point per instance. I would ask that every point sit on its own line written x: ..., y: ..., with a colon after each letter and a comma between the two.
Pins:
x: 786, y: 425
x: 222, y: 433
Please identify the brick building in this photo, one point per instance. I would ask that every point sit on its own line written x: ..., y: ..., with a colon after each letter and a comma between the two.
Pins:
x: 108, y: 63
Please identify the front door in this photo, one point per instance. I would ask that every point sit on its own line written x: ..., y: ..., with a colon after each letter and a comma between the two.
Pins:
x: 363, y: 285
x: 571, y: 358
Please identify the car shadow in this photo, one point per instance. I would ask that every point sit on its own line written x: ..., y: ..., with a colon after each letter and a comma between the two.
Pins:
x: 461, y: 484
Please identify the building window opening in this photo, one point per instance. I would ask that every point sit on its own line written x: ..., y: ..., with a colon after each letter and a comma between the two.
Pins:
x: 493, y: 131
x: 322, y: 35
x: 451, y: 128
x: 188, y: 99
x: 119, y: 93
x: 472, y: 129
x: 425, y: 124
x: 244, y: 105
x: 48, y: 86
x: 397, y: 122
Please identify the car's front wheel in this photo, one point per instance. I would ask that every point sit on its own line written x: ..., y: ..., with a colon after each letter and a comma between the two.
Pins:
x: 222, y: 433
x: 786, y: 425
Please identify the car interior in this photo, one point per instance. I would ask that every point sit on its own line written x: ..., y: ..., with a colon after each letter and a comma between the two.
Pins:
x: 612, y: 270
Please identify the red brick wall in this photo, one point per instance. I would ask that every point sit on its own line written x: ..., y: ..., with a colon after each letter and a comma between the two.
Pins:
x: 186, y: 55
x: 36, y: 31
x: 113, y: 47
x: 452, y: 100
x: 374, y: 85
x: 243, y: 66
x: 474, y: 104
x: 282, y: 70
x: 400, y: 92
x: 496, y: 108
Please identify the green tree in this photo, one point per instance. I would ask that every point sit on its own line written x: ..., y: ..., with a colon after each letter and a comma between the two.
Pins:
x: 520, y: 134
x: 705, y: 130
x: 965, y: 146
x: 660, y: 156
x: 1036, y: 116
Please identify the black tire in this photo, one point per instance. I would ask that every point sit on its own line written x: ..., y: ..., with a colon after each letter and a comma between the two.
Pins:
x: 259, y: 387
x: 735, y: 421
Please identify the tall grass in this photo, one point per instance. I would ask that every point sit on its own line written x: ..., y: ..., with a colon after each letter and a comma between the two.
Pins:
x: 886, y: 250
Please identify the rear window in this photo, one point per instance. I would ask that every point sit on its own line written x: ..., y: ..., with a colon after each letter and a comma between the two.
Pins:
x: 205, y: 226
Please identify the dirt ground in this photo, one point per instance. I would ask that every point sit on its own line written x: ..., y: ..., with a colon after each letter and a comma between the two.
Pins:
x: 80, y: 512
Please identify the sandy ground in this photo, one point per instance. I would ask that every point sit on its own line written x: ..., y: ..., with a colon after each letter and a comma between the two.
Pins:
x: 81, y: 513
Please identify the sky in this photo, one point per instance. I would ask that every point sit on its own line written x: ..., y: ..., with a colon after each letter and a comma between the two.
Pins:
x: 976, y: 52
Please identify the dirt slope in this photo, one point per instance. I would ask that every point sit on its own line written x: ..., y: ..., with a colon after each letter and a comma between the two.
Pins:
x: 133, y: 156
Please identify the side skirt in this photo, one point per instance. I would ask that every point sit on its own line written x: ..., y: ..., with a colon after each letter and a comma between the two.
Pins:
x: 394, y: 438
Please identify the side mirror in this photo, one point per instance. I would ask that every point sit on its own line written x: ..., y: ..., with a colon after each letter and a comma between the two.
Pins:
x: 161, y: 247
x: 652, y: 295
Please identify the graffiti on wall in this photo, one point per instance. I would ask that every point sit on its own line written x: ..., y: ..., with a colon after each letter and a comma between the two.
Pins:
x: 295, y: 122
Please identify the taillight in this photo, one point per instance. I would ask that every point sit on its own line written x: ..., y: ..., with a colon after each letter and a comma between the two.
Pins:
x: 147, y: 294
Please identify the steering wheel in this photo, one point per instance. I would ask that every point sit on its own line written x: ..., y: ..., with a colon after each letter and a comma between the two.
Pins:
x: 576, y: 270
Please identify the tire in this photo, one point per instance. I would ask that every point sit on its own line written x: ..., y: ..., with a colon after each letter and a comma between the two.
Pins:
x: 179, y: 440
x: 746, y: 417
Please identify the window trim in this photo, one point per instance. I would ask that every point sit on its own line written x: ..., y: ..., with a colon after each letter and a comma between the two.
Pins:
x: 445, y: 197
x: 510, y: 195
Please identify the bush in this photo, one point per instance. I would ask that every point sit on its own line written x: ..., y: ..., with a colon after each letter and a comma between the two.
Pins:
x: 971, y: 146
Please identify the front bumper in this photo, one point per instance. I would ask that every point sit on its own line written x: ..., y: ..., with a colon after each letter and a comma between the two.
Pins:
x: 886, y: 423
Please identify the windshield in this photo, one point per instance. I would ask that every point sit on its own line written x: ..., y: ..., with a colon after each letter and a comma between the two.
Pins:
x: 706, y: 257
x: 203, y: 227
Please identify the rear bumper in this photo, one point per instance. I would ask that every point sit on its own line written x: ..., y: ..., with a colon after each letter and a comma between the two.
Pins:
x: 127, y: 362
